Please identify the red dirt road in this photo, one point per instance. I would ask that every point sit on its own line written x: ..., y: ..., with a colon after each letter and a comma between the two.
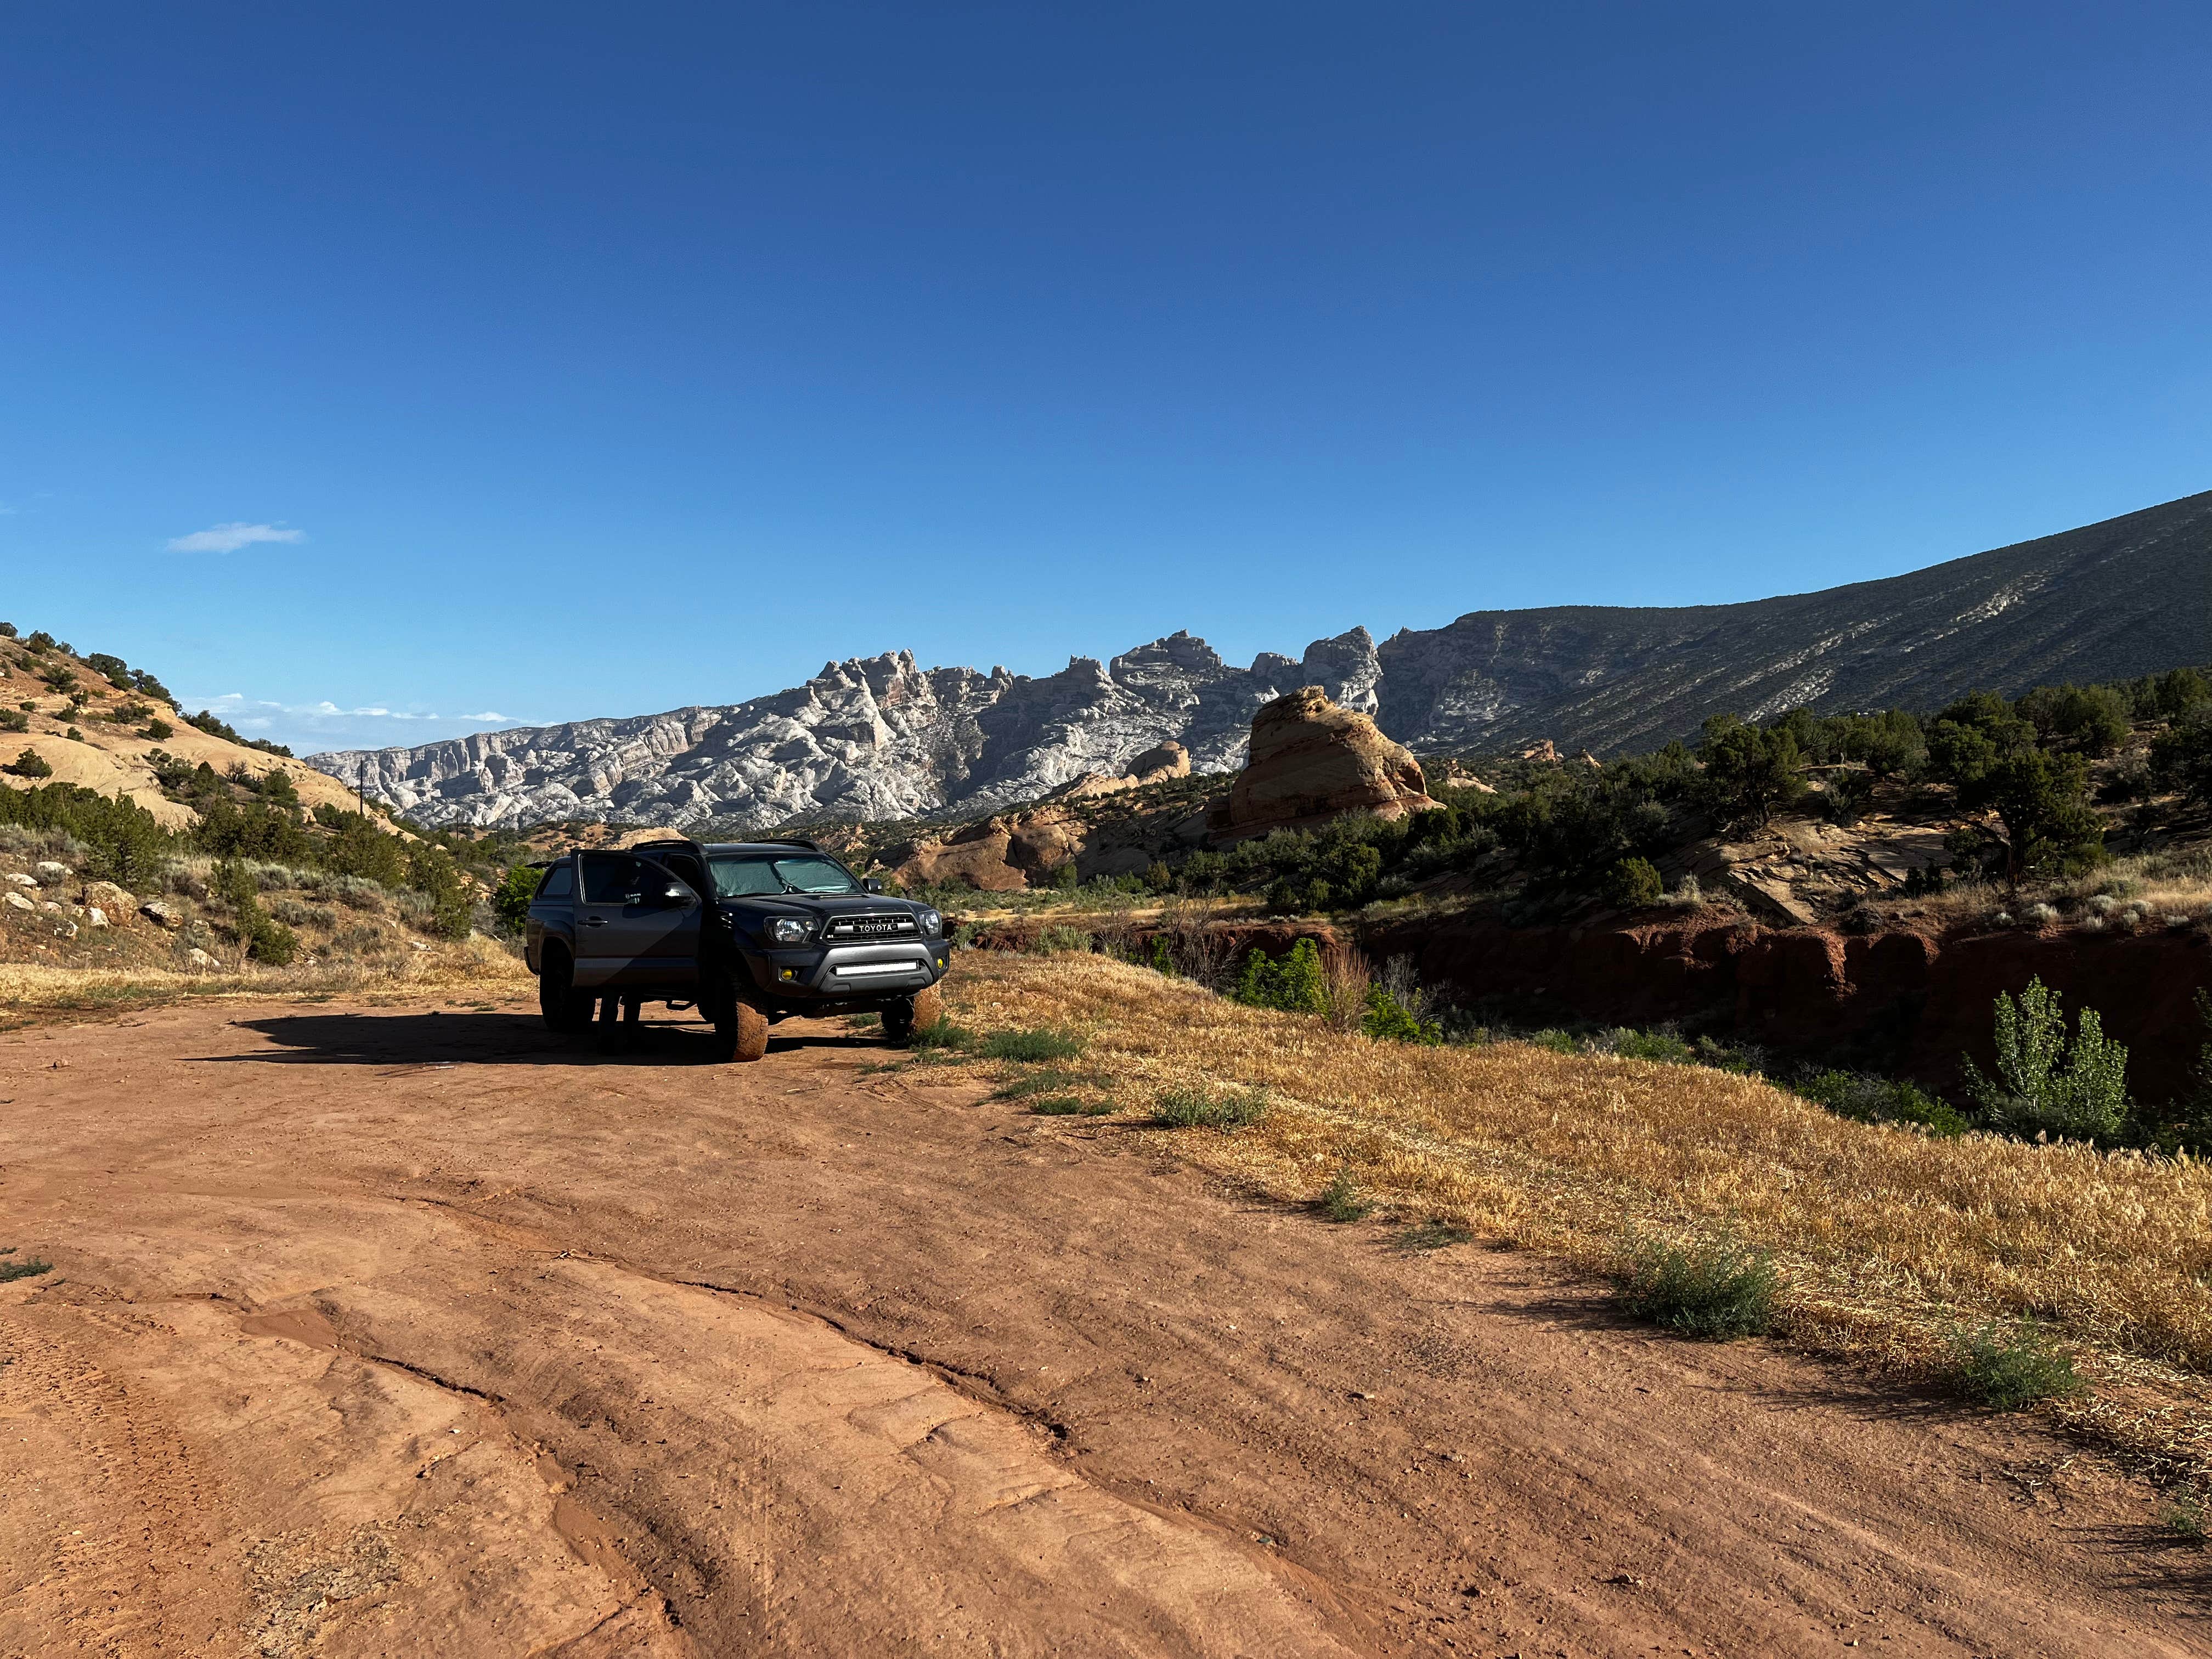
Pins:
x: 381, y: 1330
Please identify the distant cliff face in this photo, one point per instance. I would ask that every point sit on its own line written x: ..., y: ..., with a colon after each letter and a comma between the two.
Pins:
x: 881, y: 738
x: 877, y: 738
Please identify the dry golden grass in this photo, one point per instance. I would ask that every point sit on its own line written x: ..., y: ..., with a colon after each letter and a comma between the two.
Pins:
x: 1886, y: 1239
x: 35, y: 990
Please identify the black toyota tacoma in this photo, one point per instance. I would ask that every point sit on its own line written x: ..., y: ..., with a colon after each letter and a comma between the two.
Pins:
x: 746, y: 931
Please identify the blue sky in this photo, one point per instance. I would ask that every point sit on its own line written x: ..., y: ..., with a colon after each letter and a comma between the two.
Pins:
x: 524, y: 362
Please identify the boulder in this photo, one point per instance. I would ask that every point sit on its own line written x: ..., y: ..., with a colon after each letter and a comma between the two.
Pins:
x: 18, y: 878
x: 16, y: 901
x: 108, y: 896
x: 1156, y: 765
x: 161, y: 914
x: 999, y: 855
x: 95, y: 916
x: 1542, y: 749
x: 1458, y: 775
x: 199, y: 958
x: 49, y: 872
x: 1311, y: 761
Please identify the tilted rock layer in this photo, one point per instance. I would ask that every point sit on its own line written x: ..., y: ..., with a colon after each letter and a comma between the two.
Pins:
x: 1312, y: 760
x: 882, y: 738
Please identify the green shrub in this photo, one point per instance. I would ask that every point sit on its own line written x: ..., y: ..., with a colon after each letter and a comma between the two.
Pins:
x: 1880, y: 1100
x: 124, y: 842
x: 2185, y: 1519
x: 431, y: 871
x: 158, y: 731
x: 264, y: 938
x: 2009, y: 1366
x: 1205, y: 1108
x: 1341, y: 1199
x: 1750, y: 774
x: 510, y: 900
x: 1048, y: 1081
x: 31, y: 764
x: 1070, y: 1106
x: 2042, y: 800
x: 1559, y: 1043
x: 1632, y: 1044
x: 1031, y: 1048
x: 14, y: 719
x: 1388, y: 1020
x: 2045, y: 1080
x: 357, y: 846
x: 1294, y: 984
x: 941, y: 1033
x: 1632, y: 884
x: 1714, y: 1291
x: 2181, y: 758
x: 1061, y: 937
x: 30, y: 1267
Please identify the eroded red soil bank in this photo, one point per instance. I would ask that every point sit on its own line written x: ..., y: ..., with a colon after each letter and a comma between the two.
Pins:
x: 1907, y: 1003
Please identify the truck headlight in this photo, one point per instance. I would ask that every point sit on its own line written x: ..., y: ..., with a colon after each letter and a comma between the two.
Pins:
x: 788, y: 930
x: 932, y: 924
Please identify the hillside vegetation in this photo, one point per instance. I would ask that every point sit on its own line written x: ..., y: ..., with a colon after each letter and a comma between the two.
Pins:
x: 136, y: 840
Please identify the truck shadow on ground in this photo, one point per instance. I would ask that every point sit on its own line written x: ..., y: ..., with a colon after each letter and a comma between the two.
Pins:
x: 462, y: 1037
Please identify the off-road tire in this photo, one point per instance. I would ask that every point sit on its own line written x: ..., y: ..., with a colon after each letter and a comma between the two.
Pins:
x: 740, y: 1023
x: 566, y: 1009
x: 923, y: 1008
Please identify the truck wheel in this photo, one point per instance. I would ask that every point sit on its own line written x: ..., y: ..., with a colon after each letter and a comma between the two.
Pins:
x: 565, y: 1011
x: 740, y: 1024
x: 924, y: 1008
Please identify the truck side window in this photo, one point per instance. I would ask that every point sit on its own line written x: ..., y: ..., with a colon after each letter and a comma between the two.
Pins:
x: 610, y: 878
x: 559, y: 882
x: 687, y: 870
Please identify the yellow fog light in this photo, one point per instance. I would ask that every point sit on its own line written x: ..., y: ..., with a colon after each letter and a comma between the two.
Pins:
x: 787, y: 973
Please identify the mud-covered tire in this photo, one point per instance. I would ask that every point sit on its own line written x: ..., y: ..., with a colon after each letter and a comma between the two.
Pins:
x: 923, y: 1008
x: 740, y: 1024
x: 566, y: 1009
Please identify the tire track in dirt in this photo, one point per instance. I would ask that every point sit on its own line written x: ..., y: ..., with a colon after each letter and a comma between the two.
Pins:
x: 77, y: 1442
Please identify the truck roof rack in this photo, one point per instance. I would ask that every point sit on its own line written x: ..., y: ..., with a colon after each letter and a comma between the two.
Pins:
x: 788, y: 841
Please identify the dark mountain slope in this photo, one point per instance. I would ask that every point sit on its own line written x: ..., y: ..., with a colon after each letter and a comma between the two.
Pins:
x: 2130, y: 596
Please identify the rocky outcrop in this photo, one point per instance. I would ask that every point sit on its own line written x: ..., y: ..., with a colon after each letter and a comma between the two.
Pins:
x: 882, y: 738
x: 1157, y: 765
x: 872, y: 739
x: 1312, y: 760
x: 999, y: 855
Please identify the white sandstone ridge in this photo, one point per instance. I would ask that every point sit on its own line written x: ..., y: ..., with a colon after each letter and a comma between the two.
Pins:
x: 874, y: 738
x: 880, y: 737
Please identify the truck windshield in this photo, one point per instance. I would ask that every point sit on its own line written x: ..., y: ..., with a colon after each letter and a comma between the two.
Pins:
x: 749, y: 875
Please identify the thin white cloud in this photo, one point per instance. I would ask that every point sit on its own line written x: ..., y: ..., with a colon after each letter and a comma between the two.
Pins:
x: 239, y: 709
x: 230, y: 537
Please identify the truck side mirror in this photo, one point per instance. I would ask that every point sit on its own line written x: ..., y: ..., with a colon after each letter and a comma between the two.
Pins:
x: 869, y: 885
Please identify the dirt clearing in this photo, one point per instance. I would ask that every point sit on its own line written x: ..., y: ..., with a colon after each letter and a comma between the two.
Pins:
x: 384, y: 1330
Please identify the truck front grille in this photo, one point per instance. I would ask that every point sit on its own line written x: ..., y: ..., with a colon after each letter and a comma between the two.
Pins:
x: 870, y: 927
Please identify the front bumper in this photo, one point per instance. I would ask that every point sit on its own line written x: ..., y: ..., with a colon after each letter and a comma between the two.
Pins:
x: 848, y: 972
